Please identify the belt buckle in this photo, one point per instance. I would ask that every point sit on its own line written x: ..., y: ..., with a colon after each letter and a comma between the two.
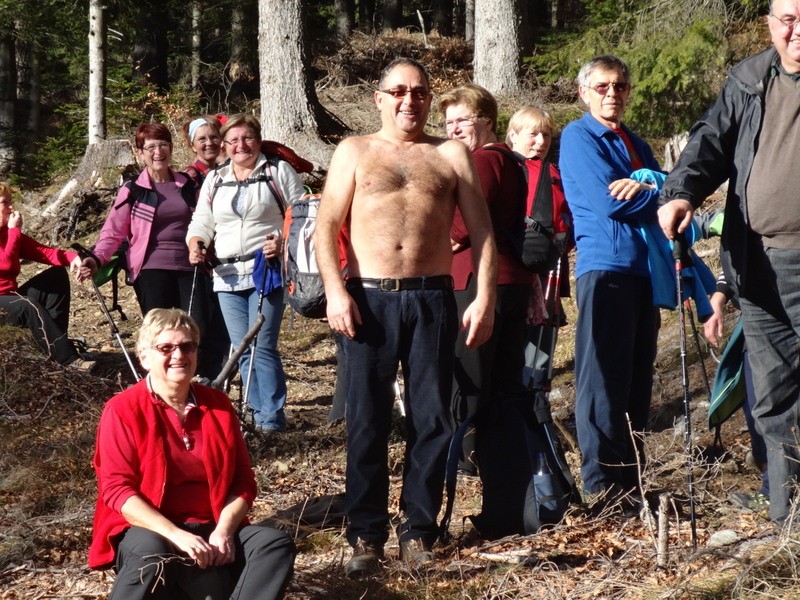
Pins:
x: 390, y: 285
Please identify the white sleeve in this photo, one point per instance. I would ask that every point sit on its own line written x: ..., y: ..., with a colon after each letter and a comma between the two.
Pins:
x: 289, y: 183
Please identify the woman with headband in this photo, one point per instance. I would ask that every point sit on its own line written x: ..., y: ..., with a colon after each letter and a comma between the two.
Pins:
x: 202, y: 135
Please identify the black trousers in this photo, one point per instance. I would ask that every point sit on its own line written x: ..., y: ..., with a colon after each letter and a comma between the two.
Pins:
x: 149, y: 567
x: 42, y: 305
x: 495, y: 366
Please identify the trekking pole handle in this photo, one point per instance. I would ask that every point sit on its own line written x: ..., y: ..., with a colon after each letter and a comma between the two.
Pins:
x: 679, y: 248
x: 84, y: 252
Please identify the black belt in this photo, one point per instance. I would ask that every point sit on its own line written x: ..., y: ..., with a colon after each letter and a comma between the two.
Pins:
x: 239, y: 258
x: 434, y: 282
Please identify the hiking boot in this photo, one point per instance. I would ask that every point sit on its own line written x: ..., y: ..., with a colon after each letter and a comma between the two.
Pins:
x: 416, y: 552
x: 82, y: 364
x: 366, y: 560
x: 757, y: 502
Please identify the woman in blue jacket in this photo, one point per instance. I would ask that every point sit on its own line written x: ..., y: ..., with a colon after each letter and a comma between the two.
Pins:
x: 615, y: 339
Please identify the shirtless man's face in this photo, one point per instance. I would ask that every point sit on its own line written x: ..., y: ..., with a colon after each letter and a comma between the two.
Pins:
x: 406, y: 112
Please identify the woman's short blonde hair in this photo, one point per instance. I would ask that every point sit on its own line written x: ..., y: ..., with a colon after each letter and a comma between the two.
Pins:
x: 5, y: 190
x: 162, y: 319
x: 242, y: 120
x: 531, y: 117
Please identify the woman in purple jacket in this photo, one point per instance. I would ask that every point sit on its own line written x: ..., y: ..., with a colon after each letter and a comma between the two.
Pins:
x: 151, y: 215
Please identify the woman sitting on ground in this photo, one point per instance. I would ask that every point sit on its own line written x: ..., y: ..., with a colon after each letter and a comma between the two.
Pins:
x: 41, y: 304
x: 175, y: 484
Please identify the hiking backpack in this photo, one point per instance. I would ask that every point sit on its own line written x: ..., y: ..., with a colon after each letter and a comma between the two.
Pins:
x: 541, y: 238
x: 305, y: 292
x: 526, y: 480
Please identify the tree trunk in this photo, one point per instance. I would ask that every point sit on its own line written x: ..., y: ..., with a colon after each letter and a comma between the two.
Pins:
x: 554, y: 14
x: 29, y: 89
x: 197, y: 41
x: 497, y: 46
x: 97, y: 72
x: 469, y: 20
x: 237, y: 66
x: 151, y: 48
x: 8, y: 96
x: 290, y: 110
x: 344, y: 11
x: 442, y: 18
x: 392, y: 14
x: 366, y: 15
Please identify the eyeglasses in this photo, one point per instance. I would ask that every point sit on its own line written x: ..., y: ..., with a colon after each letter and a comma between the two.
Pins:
x: 399, y: 93
x: 213, y: 139
x: 789, y: 21
x: 153, y: 147
x: 247, y: 139
x: 618, y: 86
x: 184, y: 347
x: 460, y: 123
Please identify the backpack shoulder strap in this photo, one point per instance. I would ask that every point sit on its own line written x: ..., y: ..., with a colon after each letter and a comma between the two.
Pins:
x: 540, y: 216
x: 135, y: 194
x: 272, y: 162
x: 264, y: 176
x: 189, y: 191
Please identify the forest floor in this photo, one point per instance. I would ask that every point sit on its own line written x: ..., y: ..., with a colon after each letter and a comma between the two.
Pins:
x: 48, y: 417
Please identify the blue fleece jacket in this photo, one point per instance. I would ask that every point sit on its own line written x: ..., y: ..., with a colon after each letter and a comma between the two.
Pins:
x: 592, y: 156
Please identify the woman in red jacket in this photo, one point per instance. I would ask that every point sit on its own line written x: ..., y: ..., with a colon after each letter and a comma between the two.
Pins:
x: 175, y: 484
x: 470, y: 114
x: 41, y: 304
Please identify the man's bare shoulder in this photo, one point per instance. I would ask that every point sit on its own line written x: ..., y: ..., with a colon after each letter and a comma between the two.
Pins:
x: 453, y: 149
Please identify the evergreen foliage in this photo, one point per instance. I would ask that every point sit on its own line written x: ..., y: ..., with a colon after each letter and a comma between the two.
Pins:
x: 677, y: 52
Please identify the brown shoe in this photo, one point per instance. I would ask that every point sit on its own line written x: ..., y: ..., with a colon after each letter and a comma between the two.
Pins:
x: 416, y: 552
x: 366, y: 560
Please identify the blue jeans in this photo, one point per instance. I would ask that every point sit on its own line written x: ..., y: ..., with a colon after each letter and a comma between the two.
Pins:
x: 615, y: 347
x: 416, y: 329
x: 267, y: 391
x: 771, y: 315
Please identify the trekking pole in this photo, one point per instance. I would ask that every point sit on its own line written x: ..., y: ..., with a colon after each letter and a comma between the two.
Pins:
x: 553, y: 282
x: 230, y: 364
x: 696, y: 336
x: 200, y: 246
x: 84, y: 253
x: 678, y: 250
x: 246, y: 392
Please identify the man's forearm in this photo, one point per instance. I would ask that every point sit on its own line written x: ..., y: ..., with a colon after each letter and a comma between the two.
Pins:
x: 327, y: 250
x: 484, y: 259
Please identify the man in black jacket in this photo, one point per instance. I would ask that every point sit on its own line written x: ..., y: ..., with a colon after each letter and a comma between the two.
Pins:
x: 751, y: 136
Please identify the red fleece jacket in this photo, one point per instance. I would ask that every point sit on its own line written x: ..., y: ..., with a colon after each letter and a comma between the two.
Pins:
x: 16, y: 246
x: 129, y: 459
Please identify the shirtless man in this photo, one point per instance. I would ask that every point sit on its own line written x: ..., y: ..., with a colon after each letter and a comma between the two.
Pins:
x: 396, y: 191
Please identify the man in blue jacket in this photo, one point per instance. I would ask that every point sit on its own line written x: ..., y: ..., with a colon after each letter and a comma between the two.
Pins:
x: 615, y: 338
x: 751, y: 135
